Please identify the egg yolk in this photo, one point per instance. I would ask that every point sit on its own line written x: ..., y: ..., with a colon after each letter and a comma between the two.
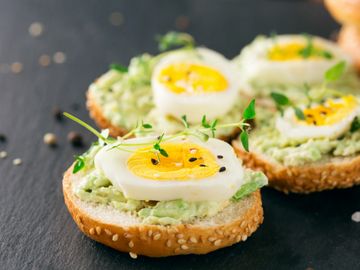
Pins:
x: 331, y: 112
x: 290, y: 51
x: 192, y: 78
x: 185, y: 161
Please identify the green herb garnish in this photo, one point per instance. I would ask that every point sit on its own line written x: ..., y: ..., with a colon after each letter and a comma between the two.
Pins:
x: 355, y: 125
x: 335, y: 72
x: 283, y: 101
x: 309, y: 50
x: 175, y: 39
x: 79, y: 164
x: 119, y: 68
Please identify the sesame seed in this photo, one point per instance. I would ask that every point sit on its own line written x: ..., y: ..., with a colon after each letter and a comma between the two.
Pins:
x: 2, y: 138
x: 193, y: 150
x: 75, y: 139
x: 168, y: 243
x: 16, y: 67
x: 220, y: 156
x: 133, y: 255
x: 50, y: 139
x: 17, y: 161
x: 193, y: 239
x: 211, y: 239
x: 59, y: 57
x: 36, y: 29
x: 57, y: 113
x: 217, y: 242
x: 44, y: 60
x: 150, y: 233
x: 3, y: 154
x: 116, y: 18
x: 115, y: 237
x: 154, y: 161
x: 244, y: 237
x: 192, y: 159
x: 238, y: 238
x: 222, y: 169
x: 157, y: 236
x: 92, y: 231
x: 180, y: 235
x: 178, y: 164
x: 181, y: 241
x: 128, y: 235
x: 108, y: 232
x: 184, y: 247
x: 203, y: 165
x: 98, y: 230
x: 356, y: 216
x: 131, y: 244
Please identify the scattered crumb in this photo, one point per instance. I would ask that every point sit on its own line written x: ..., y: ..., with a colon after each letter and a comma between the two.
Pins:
x: 75, y: 139
x: 57, y: 113
x: 3, y: 154
x: 356, y: 216
x: 133, y: 255
x: 50, y: 139
x: 182, y: 22
x: 44, y: 60
x: 36, y: 29
x: 17, y: 161
x: 16, y: 67
x: 59, y: 58
x: 2, y: 138
x: 116, y: 18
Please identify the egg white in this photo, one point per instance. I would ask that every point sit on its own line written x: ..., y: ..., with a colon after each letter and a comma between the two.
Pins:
x: 194, y: 106
x: 292, y: 129
x: 112, y: 163
x: 255, y: 65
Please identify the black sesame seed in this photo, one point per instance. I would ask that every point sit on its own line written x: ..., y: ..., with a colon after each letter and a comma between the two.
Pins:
x: 154, y: 161
x: 58, y: 114
x: 314, y: 122
x: 2, y: 138
x: 75, y: 139
x: 222, y: 169
x: 220, y: 157
x: 203, y: 165
x: 192, y: 159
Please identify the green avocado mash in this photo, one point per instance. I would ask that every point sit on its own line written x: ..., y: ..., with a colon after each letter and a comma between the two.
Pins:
x: 126, y: 98
x: 267, y: 140
x: 97, y: 189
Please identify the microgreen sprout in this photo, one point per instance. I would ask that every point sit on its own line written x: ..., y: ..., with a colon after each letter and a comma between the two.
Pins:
x: 309, y: 50
x: 119, y: 68
x: 283, y: 101
x: 175, y: 39
x: 79, y: 164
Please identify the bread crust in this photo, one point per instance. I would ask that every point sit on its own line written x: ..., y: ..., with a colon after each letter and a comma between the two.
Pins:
x: 345, y: 11
x: 96, y: 114
x: 304, y: 179
x: 161, y: 241
x: 349, y: 40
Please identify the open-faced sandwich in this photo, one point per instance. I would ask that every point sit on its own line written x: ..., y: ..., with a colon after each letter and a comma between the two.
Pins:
x: 310, y: 145
x: 165, y: 195
x: 160, y: 89
x: 285, y: 63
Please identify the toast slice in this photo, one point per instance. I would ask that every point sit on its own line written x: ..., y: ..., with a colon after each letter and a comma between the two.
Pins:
x: 125, y: 232
x: 329, y: 174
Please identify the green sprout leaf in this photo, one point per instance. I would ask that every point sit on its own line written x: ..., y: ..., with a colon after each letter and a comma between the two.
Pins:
x: 355, y: 125
x: 79, y: 164
x: 204, y: 123
x: 175, y: 39
x: 163, y: 152
x: 119, y: 68
x: 299, y: 113
x: 335, y: 72
x: 147, y: 126
x: 280, y: 99
x: 244, y: 138
x: 249, y: 112
x: 308, y: 50
x: 184, y: 121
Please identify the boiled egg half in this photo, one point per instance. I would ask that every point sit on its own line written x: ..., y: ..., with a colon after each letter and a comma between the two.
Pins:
x: 193, y: 171
x: 288, y: 59
x: 330, y: 119
x: 194, y: 82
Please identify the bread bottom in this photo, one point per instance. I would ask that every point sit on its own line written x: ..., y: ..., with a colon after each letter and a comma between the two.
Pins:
x: 125, y: 233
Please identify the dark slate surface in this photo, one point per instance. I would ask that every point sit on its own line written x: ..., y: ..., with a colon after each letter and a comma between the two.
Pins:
x: 36, y: 231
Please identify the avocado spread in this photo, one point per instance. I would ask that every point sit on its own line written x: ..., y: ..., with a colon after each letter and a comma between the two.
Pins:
x: 266, y: 139
x: 95, y: 188
x: 126, y: 98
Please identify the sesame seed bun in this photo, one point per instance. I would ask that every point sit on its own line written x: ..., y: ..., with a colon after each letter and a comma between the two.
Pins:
x: 349, y: 40
x: 329, y: 174
x: 125, y: 232
x: 101, y: 121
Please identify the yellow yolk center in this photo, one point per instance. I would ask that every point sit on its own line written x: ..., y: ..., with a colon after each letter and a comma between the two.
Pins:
x: 331, y: 112
x: 186, y: 161
x: 192, y: 78
x: 290, y: 51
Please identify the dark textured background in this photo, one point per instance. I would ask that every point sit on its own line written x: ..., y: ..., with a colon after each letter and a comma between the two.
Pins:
x: 36, y: 231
